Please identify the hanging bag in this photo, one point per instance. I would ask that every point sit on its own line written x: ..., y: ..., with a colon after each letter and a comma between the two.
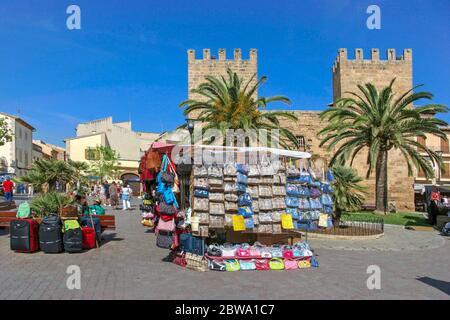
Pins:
x: 276, y: 264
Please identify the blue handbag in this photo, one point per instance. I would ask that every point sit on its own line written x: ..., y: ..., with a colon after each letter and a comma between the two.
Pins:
x: 315, y: 204
x: 326, y: 188
x: 292, y: 202
x: 293, y: 212
x: 245, y: 200
x: 242, y: 168
x: 292, y: 190
x: 161, y: 188
x: 242, y: 178
x: 241, y: 187
x: 189, y: 243
x: 247, y: 265
x: 326, y: 200
x: 249, y: 223
x: 305, y: 178
x: 246, y: 212
x: 327, y: 209
x: 330, y: 176
x: 169, y: 197
x: 201, y: 193
x: 304, y: 191
x: 314, y: 183
x: 304, y: 204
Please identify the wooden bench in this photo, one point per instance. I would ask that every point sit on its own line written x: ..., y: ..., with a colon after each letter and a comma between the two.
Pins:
x: 108, y: 222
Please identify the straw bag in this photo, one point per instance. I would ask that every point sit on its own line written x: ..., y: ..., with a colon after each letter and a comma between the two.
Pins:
x: 196, y: 262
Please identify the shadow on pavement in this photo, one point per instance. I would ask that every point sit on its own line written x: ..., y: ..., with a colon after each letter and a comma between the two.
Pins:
x: 108, y: 237
x: 444, y: 286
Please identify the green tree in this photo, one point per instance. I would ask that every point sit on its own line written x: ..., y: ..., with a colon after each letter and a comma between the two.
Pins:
x: 379, y: 122
x: 106, y: 164
x: 229, y: 103
x: 5, y: 132
x: 348, y: 194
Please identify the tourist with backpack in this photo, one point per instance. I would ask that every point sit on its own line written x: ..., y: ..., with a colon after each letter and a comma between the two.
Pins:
x: 8, y: 187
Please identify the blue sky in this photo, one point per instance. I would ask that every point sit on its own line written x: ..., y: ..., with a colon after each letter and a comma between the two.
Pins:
x: 129, y: 59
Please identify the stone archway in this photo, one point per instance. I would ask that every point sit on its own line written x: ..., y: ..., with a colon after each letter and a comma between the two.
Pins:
x: 133, y: 180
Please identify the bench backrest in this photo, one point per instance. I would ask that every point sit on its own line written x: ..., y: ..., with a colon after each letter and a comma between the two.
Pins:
x: 106, y: 221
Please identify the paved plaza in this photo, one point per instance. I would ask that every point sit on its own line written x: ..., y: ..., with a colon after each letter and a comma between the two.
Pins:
x: 128, y: 265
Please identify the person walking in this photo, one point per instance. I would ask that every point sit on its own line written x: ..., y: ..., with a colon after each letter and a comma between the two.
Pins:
x: 126, y: 195
x: 30, y: 191
x: 8, y: 187
x: 114, y: 195
x: 107, y: 195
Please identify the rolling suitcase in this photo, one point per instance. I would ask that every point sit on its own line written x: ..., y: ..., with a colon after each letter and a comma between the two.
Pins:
x: 50, y: 234
x: 88, y: 237
x: 85, y: 221
x: 24, y: 235
x: 73, y: 236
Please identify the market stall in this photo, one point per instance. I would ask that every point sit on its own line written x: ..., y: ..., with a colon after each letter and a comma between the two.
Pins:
x: 263, y: 192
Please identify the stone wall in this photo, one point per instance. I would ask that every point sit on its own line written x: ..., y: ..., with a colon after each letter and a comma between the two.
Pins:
x: 198, y: 69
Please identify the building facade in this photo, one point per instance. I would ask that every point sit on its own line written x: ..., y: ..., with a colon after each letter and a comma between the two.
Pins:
x: 16, y: 156
x: 51, y: 151
x: 129, y: 144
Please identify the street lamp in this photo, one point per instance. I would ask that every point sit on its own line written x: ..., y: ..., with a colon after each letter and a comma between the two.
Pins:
x: 190, y: 123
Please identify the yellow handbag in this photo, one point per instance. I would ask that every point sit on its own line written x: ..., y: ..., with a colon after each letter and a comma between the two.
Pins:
x: 238, y: 223
x: 303, y: 264
x: 147, y: 223
x: 323, y: 220
x: 286, y: 221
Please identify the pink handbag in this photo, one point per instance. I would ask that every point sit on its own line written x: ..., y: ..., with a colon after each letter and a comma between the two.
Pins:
x: 254, y: 252
x: 287, y: 252
x: 166, y: 225
x: 243, y: 251
x: 290, y: 264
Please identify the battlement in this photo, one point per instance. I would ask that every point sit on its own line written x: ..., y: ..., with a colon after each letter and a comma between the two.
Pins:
x: 342, y: 57
x: 222, y: 55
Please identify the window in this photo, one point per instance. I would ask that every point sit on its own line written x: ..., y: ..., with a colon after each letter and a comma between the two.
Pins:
x: 27, y: 162
x: 445, y: 171
x: 26, y: 136
x: 91, y: 154
x: 444, y: 146
x: 301, y: 142
x: 20, y: 133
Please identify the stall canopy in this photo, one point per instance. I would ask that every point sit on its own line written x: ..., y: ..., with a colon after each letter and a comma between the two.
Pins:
x: 224, y: 149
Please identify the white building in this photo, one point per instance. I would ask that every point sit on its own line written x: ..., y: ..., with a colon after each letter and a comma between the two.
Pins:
x: 119, y: 136
x: 16, y: 156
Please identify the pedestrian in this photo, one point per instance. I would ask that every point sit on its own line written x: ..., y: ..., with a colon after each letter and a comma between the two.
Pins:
x: 30, y: 190
x: 107, y: 195
x: 114, y: 195
x: 126, y: 195
x: 8, y: 187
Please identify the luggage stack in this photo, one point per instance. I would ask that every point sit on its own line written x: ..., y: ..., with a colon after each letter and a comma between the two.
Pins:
x: 54, y: 235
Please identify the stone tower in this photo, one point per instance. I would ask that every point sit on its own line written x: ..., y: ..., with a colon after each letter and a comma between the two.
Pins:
x: 198, y: 69
x: 347, y: 74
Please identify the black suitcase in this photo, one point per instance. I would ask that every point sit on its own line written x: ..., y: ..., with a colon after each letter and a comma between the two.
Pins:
x: 50, y: 234
x: 24, y: 235
x: 73, y: 240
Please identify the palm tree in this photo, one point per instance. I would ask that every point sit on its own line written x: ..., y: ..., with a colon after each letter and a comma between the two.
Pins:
x: 348, y: 194
x: 230, y: 103
x: 49, y: 172
x: 379, y: 122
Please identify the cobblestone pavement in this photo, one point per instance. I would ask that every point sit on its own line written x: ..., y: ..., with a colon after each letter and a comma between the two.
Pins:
x: 129, y: 266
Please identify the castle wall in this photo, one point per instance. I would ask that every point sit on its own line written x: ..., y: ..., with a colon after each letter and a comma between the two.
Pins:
x: 198, y: 69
